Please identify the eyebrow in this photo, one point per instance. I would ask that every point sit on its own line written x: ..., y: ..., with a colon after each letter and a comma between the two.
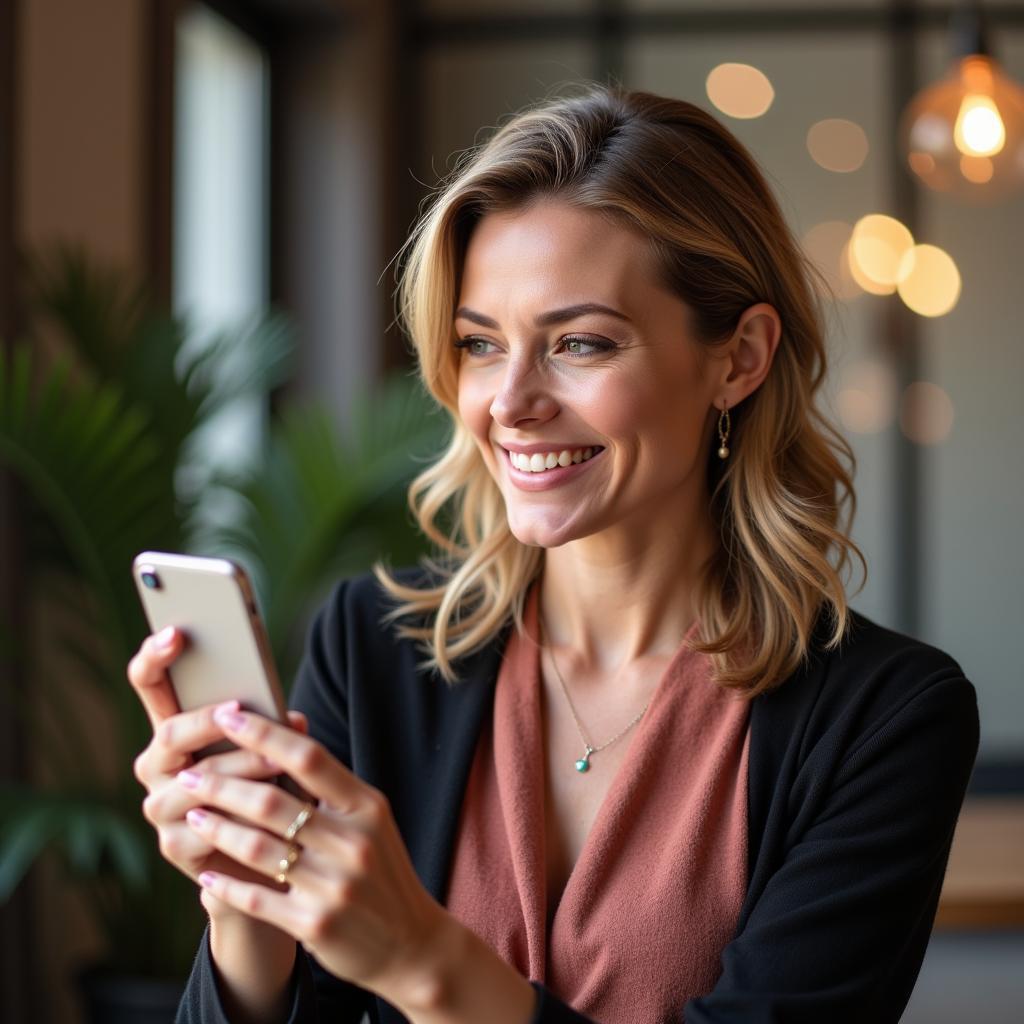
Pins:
x: 554, y: 316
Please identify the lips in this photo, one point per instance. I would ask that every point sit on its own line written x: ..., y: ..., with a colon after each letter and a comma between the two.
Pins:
x: 546, y: 479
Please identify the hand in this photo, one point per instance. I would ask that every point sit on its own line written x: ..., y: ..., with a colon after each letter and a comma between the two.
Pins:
x: 353, y: 898
x: 176, y: 736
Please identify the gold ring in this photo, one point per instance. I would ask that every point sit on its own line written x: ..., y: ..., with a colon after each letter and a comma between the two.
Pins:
x: 285, y: 863
x: 300, y: 819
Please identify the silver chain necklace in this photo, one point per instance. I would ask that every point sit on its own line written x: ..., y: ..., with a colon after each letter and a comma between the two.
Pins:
x: 583, y: 764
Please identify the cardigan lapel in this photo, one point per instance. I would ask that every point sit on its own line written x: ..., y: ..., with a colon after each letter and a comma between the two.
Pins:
x: 462, y: 710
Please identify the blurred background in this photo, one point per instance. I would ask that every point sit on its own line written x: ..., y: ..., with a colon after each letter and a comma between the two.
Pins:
x: 200, y: 204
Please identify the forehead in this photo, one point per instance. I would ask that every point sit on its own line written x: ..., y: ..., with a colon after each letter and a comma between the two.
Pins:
x: 551, y: 251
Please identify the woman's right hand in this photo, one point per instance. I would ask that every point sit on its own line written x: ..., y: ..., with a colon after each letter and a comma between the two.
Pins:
x: 177, y: 735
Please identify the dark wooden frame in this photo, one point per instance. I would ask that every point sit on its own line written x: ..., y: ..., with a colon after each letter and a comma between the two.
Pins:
x: 18, y: 983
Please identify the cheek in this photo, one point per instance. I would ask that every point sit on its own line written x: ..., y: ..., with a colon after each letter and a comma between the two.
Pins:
x: 474, y: 408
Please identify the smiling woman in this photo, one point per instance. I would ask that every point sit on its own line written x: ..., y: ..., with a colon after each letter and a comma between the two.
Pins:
x: 638, y: 288
x: 621, y: 751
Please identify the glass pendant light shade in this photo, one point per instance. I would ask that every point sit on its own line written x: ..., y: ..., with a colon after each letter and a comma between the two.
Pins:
x: 964, y: 135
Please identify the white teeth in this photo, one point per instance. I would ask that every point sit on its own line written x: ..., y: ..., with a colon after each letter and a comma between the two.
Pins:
x: 539, y: 462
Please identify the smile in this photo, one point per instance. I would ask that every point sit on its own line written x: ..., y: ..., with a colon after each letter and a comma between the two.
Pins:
x: 567, y: 463
x: 541, y: 462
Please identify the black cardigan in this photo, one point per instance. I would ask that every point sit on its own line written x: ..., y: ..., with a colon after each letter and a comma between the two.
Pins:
x: 858, y: 767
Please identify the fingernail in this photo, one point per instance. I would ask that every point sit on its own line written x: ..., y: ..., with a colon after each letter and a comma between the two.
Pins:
x: 165, y: 638
x: 272, y: 765
x: 190, y: 780
x: 207, y: 878
x: 196, y: 816
x: 228, y: 719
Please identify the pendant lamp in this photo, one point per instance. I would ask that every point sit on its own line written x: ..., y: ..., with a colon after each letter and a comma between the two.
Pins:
x: 964, y: 135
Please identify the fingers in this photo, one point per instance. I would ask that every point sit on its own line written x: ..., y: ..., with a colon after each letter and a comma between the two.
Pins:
x: 147, y: 672
x: 299, y: 721
x: 260, y: 803
x: 169, y: 801
x: 257, y: 901
x: 176, y: 738
x: 246, y: 764
x: 308, y: 762
x: 257, y: 849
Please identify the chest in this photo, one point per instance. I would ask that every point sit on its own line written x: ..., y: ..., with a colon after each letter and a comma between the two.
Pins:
x: 574, y: 799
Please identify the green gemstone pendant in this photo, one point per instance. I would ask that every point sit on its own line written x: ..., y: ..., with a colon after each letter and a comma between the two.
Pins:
x: 583, y: 764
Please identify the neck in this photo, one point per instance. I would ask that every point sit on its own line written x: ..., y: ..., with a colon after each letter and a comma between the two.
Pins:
x: 625, y: 594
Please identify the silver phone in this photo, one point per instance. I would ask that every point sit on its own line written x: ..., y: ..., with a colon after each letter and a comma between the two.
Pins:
x: 226, y: 654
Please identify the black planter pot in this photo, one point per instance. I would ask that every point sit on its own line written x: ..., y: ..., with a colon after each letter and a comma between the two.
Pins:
x: 110, y: 997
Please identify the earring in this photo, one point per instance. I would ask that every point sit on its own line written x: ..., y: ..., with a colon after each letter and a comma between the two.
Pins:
x: 723, y: 432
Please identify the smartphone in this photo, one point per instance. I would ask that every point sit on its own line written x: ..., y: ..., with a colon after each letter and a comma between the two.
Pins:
x: 226, y: 655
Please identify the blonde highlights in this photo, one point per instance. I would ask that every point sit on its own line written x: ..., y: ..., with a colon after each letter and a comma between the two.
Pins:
x: 784, y: 498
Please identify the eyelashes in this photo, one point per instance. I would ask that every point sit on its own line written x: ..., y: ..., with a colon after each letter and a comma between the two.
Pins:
x: 597, y: 345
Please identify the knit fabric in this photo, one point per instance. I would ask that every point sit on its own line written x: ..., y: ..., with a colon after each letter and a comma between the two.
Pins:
x: 657, y: 889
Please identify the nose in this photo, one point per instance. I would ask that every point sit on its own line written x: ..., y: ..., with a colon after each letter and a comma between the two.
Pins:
x: 522, y: 396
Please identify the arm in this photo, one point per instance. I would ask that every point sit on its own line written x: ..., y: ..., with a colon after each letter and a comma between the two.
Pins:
x: 839, y: 930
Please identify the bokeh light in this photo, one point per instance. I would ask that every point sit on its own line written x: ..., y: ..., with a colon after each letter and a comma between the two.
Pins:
x: 929, y: 281
x: 837, y: 145
x: 739, y: 90
x: 877, y: 247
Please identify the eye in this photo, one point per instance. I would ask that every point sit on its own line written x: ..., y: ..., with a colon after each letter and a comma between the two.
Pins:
x: 579, y: 347
x: 470, y: 345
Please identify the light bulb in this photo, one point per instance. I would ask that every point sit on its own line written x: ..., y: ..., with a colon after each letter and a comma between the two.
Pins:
x: 964, y: 135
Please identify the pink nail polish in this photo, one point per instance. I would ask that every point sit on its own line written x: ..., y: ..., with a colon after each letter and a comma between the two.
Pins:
x: 190, y: 780
x: 207, y: 878
x: 196, y: 816
x: 230, y: 720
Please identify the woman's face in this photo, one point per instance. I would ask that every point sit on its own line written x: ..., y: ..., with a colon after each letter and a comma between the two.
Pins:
x: 568, y: 342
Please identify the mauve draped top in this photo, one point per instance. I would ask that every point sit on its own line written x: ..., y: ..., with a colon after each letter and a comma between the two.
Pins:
x: 656, y: 892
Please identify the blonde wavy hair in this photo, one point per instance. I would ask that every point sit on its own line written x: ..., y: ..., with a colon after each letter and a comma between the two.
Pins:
x: 670, y: 170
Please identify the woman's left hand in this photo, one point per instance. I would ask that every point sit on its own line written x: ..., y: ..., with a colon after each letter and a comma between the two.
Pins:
x: 353, y: 897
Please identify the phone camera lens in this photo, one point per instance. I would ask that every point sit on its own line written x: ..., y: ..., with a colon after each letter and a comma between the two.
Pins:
x: 151, y: 580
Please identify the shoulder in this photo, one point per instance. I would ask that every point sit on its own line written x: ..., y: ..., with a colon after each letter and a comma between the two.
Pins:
x: 357, y: 615
x: 871, y: 656
x: 872, y: 675
x: 361, y: 602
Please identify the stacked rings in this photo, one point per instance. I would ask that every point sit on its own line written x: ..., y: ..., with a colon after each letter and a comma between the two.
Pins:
x: 285, y: 863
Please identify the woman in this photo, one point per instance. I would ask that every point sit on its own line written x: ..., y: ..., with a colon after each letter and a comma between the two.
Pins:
x: 652, y: 766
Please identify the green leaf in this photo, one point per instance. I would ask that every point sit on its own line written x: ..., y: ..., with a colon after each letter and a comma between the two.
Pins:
x: 22, y: 838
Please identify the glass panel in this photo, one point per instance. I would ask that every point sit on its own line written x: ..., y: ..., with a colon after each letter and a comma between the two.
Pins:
x: 220, y: 201
x: 815, y: 76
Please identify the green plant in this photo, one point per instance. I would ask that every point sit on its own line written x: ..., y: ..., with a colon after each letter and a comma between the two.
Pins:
x: 99, y: 435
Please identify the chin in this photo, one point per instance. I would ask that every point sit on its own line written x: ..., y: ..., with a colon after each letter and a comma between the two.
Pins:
x: 529, y: 531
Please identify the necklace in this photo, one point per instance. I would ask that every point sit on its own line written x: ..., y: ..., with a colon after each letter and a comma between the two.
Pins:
x: 583, y: 764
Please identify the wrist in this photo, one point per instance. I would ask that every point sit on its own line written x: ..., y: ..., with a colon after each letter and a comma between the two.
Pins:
x: 424, y: 984
x: 459, y: 978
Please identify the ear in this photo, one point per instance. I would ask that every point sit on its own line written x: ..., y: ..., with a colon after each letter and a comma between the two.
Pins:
x: 747, y: 356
